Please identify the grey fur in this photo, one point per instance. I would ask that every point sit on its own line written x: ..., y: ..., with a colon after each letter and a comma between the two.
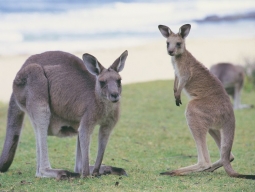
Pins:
x: 65, y: 96
x: 232, y: 78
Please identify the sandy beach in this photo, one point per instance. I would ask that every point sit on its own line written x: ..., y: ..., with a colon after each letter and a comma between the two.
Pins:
x: 145, y: 62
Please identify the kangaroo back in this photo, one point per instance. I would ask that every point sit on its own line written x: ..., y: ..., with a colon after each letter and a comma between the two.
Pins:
x: 14, y: 125
x: 232, y: 77
x: 228, y: 74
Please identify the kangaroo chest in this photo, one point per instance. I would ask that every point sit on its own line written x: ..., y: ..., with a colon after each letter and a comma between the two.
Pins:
x: 107, y: 112
x: 179, y: 73
x: 176, y: 68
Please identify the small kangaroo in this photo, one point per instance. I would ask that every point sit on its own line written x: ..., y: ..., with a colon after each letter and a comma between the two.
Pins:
x: 65, y: 96
x: 232, y: 78
x: 209, y: 108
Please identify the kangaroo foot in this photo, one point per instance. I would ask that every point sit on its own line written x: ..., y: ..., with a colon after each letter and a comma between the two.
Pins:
x: 189, y: 169
x: 59, y: 174
x: 67, y: 174
x: 107, y: 170
x: 216, y: 165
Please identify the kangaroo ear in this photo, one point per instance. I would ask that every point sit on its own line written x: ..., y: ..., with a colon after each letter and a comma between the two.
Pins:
x: 184, y: 30
x: 119, y: 63
x: 91, y: 63
x: 165, y: 31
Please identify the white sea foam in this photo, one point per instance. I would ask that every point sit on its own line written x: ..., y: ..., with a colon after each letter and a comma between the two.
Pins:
x: 113, y: 24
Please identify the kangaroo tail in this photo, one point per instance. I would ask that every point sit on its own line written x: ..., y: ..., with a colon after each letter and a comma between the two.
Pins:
x: 232, y: 173
x: 226, y: 145
x: 246, y: 176
x: 13, y: 130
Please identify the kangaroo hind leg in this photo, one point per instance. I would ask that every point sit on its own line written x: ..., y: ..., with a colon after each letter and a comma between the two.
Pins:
x: 227, y: 138
x: 226, y: 145
x: 217, y: 138
x: 38, y: 109
x: 199, y: 131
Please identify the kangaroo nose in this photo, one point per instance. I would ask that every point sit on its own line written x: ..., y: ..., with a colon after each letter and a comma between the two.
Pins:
x: 170, y: 52
x: 114, y: 95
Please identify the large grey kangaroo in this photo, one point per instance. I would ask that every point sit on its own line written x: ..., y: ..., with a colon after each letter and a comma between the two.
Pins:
x: 209, y: 108
x: 232, y: 78
x: 65, y: 96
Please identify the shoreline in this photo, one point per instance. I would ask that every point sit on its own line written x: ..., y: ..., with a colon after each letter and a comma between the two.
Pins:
x: 147, y: 62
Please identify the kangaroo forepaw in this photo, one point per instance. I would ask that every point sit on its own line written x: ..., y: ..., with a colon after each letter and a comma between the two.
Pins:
x: 118, y: 171
x: 106, y: 170
x: 96, y: 173
x: 178, y: 102
x: 66, y: 174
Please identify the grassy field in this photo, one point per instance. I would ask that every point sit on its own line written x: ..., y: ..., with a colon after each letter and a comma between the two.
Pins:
x: 151, y: 137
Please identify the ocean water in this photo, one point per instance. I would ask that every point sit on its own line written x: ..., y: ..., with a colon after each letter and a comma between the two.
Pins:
x: 33, y: 26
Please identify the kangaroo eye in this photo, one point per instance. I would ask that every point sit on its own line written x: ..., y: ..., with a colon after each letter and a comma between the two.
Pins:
x: 119, y: 82
x: 102, y: 83
x: 167, y: 44
x: 178, y: 44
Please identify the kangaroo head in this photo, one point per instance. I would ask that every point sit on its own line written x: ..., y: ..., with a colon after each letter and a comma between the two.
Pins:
x: 108, y: 83
x: 175, y: 42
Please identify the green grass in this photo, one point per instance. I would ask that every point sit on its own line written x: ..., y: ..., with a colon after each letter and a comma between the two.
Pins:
x: 151, y: 137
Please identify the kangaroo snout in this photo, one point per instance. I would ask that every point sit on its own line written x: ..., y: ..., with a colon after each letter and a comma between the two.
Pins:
x: 114, y: 97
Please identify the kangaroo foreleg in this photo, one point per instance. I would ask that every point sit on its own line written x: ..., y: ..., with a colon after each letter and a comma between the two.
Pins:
x: 103, y: 137
x: 181, y: 84
x: 175, y: 83
x: 103, y: 168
